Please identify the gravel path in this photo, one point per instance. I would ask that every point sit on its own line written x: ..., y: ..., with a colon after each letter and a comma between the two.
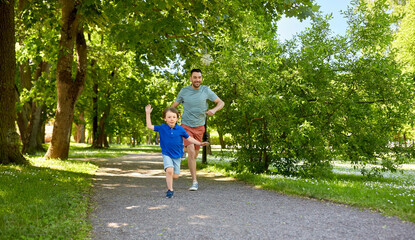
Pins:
x: 129, y: 203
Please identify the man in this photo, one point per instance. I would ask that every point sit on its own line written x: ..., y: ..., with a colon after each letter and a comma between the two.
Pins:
x: 195, y: 107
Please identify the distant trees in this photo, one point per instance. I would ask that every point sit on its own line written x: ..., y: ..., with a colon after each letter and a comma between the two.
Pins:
x: 157, y: 33
x: 316, y: 98
x: 295, y: 105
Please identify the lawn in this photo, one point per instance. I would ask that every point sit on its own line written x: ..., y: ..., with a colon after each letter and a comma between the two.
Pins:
x: 49, y: 199
x: 393, y: 194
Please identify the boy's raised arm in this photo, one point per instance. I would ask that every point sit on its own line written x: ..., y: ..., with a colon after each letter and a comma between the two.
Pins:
x: 148, y: 117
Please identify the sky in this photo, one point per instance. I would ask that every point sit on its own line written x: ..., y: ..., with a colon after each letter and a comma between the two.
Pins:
x: 287, y: 27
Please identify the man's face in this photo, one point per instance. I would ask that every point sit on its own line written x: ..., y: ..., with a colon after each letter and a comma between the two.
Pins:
x: 196, y: 79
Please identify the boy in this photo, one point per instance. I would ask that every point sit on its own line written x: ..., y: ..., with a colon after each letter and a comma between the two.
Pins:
x: 171, y: 143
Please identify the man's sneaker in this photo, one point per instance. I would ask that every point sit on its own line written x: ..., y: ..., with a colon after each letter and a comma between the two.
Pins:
x: 183, y: 156
x: 194, y: 186
x: 169, y: 194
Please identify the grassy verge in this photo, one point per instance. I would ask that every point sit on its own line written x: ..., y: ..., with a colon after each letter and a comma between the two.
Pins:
x: 84, y: 150
x: 48, y: 199
x: 392, y: 195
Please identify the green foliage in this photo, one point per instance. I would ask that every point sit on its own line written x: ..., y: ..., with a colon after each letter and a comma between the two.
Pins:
x: 405, y: 38
x: 37, y: 26
x: 294, y: 105
x: 300, y: 104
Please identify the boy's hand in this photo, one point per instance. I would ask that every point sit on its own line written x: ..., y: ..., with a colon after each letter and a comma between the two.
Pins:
x: 149, y: 109
x: 204, y: 143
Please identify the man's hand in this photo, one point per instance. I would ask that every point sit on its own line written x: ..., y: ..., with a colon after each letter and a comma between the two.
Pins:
x: 211, y: 112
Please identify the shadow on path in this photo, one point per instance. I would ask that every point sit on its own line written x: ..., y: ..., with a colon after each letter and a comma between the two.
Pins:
x: 129, y: 203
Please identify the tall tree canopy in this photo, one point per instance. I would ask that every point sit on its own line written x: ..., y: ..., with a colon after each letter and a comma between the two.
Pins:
x: 405, y: 40
x: 157, y: 32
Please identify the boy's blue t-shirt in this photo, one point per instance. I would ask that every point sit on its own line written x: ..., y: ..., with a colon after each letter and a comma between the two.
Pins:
x: 195, y: 104
x: 171, y: 141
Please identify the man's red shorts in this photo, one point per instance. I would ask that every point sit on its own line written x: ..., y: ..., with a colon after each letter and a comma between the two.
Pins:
x: 196, y: 133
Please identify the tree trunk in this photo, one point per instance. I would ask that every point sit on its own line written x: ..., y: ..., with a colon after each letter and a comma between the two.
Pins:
x: 221, y: 140
x: 80, y: 129
x: 133, y: 139
x: 23, y: 116
x: 31, y: 143
x: 101, y: 138
x: 149, y: 142
x: 9, y: 139
x: 106, y: 145
x: 41, y: 135
x: 265, y: 156
x: 208, y: 147
x: 68, y: 89
x: 94, y: 102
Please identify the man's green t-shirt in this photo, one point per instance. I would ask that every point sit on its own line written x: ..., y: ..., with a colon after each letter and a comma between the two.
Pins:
x: 195, y: 104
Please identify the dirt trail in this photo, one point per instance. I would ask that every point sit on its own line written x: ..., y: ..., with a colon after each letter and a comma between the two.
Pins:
x: 129, y: 203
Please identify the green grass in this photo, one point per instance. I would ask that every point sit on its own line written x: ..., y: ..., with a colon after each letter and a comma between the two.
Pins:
x: 45, y: 200
x: 84, y: 150
x: 48, y: 199
x: 393, y: 194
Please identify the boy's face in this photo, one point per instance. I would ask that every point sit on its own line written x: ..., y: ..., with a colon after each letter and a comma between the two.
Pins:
x: 171, y: 118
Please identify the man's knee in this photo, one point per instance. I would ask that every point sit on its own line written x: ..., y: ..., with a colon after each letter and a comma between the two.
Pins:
x: 191, y: 149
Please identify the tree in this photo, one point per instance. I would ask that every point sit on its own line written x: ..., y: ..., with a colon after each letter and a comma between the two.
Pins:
x: 405, y: 41
x: 36, y: 33
x: 300, y: 104
x: 158, y: 32
x: 68, y: 88
x: 9, y: 139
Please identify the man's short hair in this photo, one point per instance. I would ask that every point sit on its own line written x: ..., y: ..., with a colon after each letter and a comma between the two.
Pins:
x: 170, y: 109
x: 195, y: 70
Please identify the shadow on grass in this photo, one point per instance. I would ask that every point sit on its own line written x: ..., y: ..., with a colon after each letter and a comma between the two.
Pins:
x: 45, y: 200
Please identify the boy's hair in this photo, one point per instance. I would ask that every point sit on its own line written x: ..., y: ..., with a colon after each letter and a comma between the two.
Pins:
x: 170, y: 109
x: 195, y: 70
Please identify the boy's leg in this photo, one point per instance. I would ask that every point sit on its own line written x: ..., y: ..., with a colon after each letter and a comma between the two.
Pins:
x: 169, y: 169
x: 169, y: 178
x: 176, y: 170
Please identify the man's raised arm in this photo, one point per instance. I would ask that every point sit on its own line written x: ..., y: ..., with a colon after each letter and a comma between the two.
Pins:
x: 175, y: 104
